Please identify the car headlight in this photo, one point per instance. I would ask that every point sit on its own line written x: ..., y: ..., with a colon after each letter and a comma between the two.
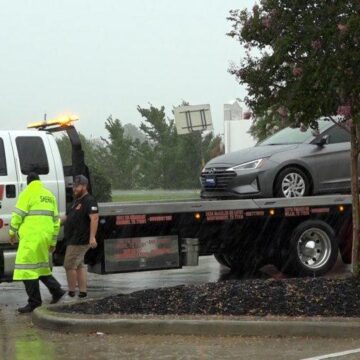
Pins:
x: 248, y: 165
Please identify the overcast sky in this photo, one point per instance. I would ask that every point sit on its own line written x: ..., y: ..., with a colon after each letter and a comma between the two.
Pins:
x: 96, y: 58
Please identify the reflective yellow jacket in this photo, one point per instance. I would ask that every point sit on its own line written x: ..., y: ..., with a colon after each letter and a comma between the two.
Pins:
x: 37, y: 223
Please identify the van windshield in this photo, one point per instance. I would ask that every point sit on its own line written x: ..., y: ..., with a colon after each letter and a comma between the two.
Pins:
x: 295, y: 135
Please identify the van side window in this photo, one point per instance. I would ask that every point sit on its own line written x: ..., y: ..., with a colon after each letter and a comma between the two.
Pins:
x: 3, y: 168
x: 32, y: 155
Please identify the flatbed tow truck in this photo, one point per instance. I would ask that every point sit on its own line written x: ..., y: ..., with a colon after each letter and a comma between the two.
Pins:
x: 300, y: 236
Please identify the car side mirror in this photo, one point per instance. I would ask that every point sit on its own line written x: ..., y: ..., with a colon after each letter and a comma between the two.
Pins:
x: 323, y: 140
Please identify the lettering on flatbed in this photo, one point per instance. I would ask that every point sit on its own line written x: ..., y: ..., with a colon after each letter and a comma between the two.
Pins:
x: 254, y: 213
x: 320, y: 210
x: 130, y: 219
x: 159, y: 218
x: 297, y: 211
x: 141, y: 219
x: 224, y: 215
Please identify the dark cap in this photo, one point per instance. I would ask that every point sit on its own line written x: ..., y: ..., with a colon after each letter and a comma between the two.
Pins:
x: 81, y: 180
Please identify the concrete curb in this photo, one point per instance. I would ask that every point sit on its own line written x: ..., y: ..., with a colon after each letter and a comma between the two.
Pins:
x: 44, y: 317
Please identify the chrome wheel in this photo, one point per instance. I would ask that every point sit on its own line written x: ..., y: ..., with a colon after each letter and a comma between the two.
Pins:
x: 293, y: 185
x: 314, y: 248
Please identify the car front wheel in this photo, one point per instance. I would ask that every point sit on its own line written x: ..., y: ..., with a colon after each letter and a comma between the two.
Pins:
x: 292, y: 182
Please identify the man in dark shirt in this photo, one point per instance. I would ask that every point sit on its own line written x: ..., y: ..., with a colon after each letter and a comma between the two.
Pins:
x: 81, y: 224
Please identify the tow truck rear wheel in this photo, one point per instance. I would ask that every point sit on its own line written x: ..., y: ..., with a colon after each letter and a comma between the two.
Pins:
x: 243, y: 267
x: 220, y: 258
x: 312, y: 251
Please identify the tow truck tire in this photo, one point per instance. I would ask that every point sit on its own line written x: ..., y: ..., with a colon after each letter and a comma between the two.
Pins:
x: 220, y: 258
x: 242, y: 268
x: 312, y: 251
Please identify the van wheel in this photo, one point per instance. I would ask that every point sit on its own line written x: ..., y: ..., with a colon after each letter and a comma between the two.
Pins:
x: 292, y: 182
x: 220, y: 258
x: 312, y: 251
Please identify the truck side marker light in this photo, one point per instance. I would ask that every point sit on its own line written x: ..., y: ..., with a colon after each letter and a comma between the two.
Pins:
x: 341, y: 208
x: 272, y: 212
x: 197, y: 216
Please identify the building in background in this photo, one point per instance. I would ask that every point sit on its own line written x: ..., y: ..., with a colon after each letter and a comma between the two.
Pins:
x: 236, y: 128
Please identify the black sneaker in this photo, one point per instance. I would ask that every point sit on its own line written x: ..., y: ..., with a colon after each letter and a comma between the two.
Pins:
x: 82, y: 295
x: 56, y: 298
x: 26, y: 309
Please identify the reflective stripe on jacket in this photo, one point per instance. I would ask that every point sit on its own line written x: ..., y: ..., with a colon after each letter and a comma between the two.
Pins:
x: 37, y: 223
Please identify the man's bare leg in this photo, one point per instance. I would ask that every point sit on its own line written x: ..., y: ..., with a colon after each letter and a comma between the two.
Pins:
x: 71, y: 279
x: 82, y: 279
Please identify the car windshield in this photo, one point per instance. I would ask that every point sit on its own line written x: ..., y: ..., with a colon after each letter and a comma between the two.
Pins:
x: 294, y: 135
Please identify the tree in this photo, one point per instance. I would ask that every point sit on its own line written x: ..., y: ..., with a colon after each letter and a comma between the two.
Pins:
x: 120, y: 156
x: 267, y: 124
x: 170, y: 160
x: 148, y: 175
x: 302, y: 59
x: 212, y: 146
x: 133, y: 132
x: 190, y: 159
x: 163, y: 139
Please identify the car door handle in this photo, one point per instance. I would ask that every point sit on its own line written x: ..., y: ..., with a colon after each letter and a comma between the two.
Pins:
x: 10, y: 191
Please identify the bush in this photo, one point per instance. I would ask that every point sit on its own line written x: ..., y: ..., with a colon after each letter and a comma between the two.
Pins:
x: 101, y: 185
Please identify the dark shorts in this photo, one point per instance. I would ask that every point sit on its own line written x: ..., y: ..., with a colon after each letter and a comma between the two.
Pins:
x: 74, y: 256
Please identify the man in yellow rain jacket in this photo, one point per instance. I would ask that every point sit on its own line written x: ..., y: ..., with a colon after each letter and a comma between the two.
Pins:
x: 36, y: 221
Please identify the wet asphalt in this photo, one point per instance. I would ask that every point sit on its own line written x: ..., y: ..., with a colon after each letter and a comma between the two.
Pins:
x: 19, y: 339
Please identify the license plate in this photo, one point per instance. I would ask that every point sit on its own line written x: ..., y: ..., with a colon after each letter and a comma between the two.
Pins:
x: 210, y: 181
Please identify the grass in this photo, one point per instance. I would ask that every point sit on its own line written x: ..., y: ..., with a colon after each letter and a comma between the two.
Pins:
x: 154, y: 195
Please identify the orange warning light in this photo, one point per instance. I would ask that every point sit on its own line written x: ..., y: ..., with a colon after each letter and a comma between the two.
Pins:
x: 63, y: 120
x: 197, y: 216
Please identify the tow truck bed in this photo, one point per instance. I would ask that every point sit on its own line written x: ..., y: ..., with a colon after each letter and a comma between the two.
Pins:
x: 190, y: 206
x: 241, y: 234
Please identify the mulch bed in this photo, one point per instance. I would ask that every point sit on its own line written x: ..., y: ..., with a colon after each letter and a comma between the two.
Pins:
x: 289, y: 297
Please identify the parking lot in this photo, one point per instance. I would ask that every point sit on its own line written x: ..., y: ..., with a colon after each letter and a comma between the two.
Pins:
x: 19, y: 339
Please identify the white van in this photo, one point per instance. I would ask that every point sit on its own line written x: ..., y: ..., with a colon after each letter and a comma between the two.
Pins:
x: 20, y: 153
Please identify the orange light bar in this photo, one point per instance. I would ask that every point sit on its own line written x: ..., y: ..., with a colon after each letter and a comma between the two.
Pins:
x: 64, y: 121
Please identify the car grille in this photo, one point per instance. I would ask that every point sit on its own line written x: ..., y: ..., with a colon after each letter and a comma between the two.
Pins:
x: 222, y: 177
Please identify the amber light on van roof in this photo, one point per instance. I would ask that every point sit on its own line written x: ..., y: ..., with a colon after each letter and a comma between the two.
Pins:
x: 63, y: 120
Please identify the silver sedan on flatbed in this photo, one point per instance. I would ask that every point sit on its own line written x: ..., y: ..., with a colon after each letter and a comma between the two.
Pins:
x: 290, y: 163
